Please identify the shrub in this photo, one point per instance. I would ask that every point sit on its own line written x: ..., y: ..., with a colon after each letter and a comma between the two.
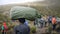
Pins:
x: 49, y: 30
x: 33, y: 29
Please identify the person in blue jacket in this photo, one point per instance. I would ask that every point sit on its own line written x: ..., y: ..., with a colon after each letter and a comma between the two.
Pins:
x: 22, y: 28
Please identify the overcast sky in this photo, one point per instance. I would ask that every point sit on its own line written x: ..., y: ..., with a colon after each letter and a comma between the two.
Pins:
x: 3, y: 2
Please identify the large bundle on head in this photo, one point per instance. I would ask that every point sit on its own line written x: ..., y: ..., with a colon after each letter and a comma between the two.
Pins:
x: 23, y: 12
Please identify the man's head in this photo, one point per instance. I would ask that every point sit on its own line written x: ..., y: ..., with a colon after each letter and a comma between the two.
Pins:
x: 22, y: 20
x: 53, y: 16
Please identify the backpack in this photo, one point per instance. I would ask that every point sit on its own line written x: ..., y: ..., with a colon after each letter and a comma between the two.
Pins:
x: 53, y: 20
x: 6, y: 28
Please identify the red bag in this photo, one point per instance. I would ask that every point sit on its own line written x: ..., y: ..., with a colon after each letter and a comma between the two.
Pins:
x: 6, y: 28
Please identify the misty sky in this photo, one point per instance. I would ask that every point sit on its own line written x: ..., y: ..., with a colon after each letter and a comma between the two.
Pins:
x: 2, y: 2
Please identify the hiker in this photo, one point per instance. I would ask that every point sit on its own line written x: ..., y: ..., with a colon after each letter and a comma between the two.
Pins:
x: 37, y: 22
x: 45, y: 21
x: 54, y: 22
x: 50, y: 20
x: 22, y: 28
x: 42, y: 22
x: 4, y: 28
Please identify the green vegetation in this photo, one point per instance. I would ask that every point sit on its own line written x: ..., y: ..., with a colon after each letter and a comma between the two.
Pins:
x: 45, y: 10
x: 4, y: 18
x: 33, y: 29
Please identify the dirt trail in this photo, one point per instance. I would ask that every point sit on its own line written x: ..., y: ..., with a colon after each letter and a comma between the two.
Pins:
x: 41, y: 30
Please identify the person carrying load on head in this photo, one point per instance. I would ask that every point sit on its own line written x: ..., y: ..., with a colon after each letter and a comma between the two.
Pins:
x: 22, y: 28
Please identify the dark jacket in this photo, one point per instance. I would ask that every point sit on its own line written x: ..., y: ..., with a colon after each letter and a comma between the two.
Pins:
x: 22, y: 29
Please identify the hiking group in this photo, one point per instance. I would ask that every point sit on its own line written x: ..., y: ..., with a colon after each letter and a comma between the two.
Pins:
x: 46, y: 21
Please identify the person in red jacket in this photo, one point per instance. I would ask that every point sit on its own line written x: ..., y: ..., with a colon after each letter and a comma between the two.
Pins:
x: 54, y: 22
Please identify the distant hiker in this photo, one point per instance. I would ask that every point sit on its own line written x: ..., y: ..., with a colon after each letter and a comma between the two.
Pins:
x: 36, y: 22
x: 50, y: 20
x: 4, y: 28
x: 22, y: 28
x: 54, y: 22
x: 45, y: 21
x: 42, y: 22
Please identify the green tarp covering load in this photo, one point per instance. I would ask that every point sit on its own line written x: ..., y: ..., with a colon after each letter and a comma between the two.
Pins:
x: 23, y: 12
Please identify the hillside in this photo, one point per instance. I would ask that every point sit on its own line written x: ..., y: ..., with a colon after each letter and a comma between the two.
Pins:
x: 44, y: 8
